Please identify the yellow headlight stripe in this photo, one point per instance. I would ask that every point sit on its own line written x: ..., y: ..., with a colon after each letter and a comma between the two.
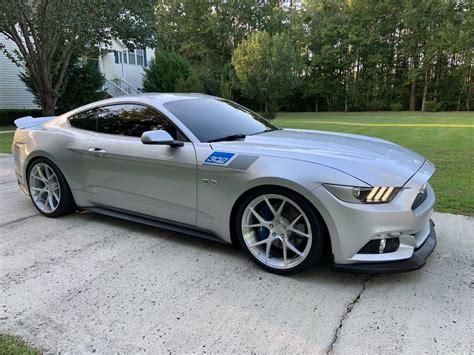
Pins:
x: 387, y: 194
x: 380, y: 193
x: 372, y: 193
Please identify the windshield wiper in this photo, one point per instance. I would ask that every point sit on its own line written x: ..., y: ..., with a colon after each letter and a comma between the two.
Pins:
x: 265, y: 131
x: 231, y: 137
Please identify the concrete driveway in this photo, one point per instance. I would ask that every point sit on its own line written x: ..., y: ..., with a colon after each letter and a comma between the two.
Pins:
x: 89, y: 283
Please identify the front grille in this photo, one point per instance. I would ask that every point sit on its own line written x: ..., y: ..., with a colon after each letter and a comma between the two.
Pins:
x: 420, y: 198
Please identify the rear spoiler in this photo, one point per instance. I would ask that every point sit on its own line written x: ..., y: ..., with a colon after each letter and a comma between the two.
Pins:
x: 28, y: 121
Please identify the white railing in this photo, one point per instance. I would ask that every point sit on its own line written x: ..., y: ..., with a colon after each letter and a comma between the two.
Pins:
x: 113, y: 89
x: 126, y: 86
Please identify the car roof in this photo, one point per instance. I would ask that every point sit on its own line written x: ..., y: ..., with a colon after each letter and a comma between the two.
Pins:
x: 167, y: 97
x: 155, y: 97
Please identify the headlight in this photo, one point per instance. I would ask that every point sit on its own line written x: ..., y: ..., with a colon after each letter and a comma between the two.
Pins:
x: 356, y: 194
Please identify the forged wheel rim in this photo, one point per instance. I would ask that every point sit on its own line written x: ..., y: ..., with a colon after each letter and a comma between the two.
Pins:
x: 44, y: 188
x: 276, y: 231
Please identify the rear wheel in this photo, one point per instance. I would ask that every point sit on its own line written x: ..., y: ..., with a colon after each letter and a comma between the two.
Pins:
x: 49, y: 190
x: 280, y: 230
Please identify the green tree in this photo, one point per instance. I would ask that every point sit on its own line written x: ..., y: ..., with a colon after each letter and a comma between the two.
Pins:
x: 356, y: 54
x: 164, y: 72
x: 48, y: 33
x: 268, y: 68
x: 207, y: 32
x: 82, y: 85
x: 371, y: 54
x: 190, y: 84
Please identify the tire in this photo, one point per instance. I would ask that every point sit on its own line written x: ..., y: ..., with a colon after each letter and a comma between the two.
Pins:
x: 265, y: 238
x: 49, y: 191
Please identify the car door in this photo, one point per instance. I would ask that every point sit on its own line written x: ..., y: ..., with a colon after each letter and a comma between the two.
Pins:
x: 70, y: 157
x: 125, y: 174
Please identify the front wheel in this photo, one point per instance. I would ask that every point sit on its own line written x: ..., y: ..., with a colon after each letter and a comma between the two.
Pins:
x: 49, y: 190
x: 280, y: 230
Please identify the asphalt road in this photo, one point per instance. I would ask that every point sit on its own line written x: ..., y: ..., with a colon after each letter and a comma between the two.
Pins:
x: 89, y: 283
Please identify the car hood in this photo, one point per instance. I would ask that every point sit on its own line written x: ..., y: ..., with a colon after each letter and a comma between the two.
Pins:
x: 372, y: 160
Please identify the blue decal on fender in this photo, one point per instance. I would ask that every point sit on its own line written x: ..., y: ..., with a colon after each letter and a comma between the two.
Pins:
x: 219, y: 158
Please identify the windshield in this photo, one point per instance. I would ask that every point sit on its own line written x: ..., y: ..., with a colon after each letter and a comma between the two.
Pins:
x: 216, y: 119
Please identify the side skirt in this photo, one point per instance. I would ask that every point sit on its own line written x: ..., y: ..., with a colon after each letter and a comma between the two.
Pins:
x: 156, y: 223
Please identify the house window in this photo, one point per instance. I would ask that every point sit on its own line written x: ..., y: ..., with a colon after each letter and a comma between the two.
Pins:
x: 134, y: 57
x: 118, y: 57
x: 139, y: 53
x: 131, y: 57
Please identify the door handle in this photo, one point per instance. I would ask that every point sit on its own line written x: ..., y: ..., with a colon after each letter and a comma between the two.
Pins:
x: 96, y: 151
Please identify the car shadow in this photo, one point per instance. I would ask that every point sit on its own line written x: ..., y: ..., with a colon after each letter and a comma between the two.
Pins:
x: 320, y: 273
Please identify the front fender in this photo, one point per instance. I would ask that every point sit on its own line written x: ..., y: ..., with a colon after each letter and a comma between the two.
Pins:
x: 216, y: 200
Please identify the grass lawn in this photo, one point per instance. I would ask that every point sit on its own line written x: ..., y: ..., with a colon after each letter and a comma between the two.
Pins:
x: 13, y: 345
x: 451, y: 149
x: 7, y: 128
x: 445, y: 138
x: 5, y: 141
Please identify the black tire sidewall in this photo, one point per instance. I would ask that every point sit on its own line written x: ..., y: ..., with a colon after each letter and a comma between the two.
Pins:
x: 318, y: 237
x: 66, y: 203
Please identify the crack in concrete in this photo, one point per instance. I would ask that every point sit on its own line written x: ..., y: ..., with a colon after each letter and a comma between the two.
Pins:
x: 348, y: 310
x: 18, y: 220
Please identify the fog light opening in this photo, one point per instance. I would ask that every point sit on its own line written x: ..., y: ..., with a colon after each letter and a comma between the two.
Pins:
x: 381, y: 246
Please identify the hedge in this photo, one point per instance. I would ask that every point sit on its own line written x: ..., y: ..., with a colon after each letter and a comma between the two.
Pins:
x: 7, y: 116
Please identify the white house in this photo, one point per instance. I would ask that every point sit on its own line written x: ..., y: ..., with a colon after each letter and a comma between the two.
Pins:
x: 122, y: 68
x: 13, y: 93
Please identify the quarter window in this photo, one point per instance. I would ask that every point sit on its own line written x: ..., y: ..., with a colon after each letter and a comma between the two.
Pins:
x: 85, y: 120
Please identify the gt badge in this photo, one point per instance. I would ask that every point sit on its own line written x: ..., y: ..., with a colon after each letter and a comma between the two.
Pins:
x: 219, y: 158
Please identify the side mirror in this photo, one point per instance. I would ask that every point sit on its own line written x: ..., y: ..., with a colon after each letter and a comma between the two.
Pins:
x: 160, y: 137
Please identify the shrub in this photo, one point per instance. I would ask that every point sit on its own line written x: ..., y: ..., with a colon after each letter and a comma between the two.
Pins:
x: 225, y: 88
x: 432, y: 106
x: 84, y: 84
x: 396, y: 106
x: 190, y: 84
x: 165, y: 71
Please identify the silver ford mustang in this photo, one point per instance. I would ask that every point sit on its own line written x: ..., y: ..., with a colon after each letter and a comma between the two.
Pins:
x: 211, y: 168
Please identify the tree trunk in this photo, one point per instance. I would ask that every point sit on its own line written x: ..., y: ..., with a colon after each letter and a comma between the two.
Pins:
x: 316, y: 106
x: 48, y: 105
x: 413, y: 84
x: 413, y: 95
x: 346, y: 98
x: 438, y: 75
x: 425, y: 92
x: 458, y: 105
x: 469, y: 86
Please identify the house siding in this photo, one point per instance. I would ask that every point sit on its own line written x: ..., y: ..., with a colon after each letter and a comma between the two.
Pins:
x: 13, y: 93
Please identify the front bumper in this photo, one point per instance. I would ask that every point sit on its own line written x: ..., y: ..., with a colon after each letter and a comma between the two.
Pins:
x: 417, y: 260
x: 353, y: 227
